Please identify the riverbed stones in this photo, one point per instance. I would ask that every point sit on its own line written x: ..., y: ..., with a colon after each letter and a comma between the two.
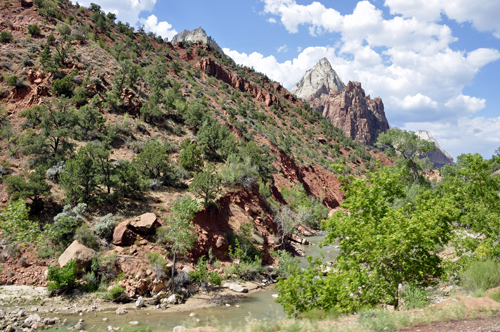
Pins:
x: 79, y: 326
x: 49, y: 321
x: 121, y: 311
x: 78, y: 252
x: 35, y: 318
x: 140, y: 302
x: 236, y: 288
x: 134, y: 323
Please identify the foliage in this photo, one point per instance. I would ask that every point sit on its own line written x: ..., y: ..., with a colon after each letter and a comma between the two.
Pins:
x: 62, y: 277
x: 114, y: 293
x: 34, y: 30
x: 217, y: 140
x: 480, y: 276
x: 206, y: 185
x: 158, y: 263
x: 6, y: 37
x: 35, y: 188
x: 381, y: 247
x: 105, y: 226
x: 238, y: 172
x: 414, y: 297
x: 180, y: 230
x: 85, y: 236
x: 63, y: 86
x: 190, y: 156
x: 15, y: 223
x: 154, y: 161
x: 62, y: 230
x: 54, y: 172
x: 287, y: 264
x: 408, y: 144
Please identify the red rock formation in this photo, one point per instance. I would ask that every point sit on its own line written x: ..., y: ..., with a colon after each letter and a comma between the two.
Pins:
x: 359, y: 116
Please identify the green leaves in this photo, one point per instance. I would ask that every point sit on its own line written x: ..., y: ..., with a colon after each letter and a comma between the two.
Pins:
x: 206, y: 185
x: 14, y: 222
x: 154, y: 161
x: 62, y: 277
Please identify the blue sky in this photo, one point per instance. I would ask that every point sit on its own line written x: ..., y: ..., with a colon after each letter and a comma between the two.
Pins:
x: 435, y: 63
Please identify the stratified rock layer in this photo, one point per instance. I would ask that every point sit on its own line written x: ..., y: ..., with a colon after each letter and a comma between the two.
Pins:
x: 359, y: 116
x: 439, y: 157
x: 349, y: 109
x: 197, y: 34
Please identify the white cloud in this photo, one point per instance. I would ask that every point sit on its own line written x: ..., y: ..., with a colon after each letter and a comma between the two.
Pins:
x: 482, y: 56
x: 283, y: 49
x: 271, y: 20
x: 125, y: 10
x: 299, y: 49
x: 163, y: 29
x: 483, y: 15
x: 466, y: 104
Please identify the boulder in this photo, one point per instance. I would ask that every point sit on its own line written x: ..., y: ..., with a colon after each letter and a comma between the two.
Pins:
x: 78, y: 252
x: 146, y: 223
x: 238, y: 288
x: 26, y: 3
x: 49, y: 321
x: 123, y: 235
x: 121, y: 311
x: 140, y: 302
x: 31, y: 319
x: 222, y: 243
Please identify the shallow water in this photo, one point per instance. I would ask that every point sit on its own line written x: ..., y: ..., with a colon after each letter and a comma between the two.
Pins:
x: 259, y: 306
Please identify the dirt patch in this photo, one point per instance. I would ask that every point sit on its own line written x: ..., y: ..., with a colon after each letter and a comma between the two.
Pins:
x: 475, y: 325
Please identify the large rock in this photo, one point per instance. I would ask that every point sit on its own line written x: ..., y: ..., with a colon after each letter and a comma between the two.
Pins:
x: 321, y: 79
x: 78, y: 252
x: 347, y: 107
x: 123, y: 235
x: 439, y: 157
x: 197, y: 35
x: 31, y: 319
x: 146, y: 223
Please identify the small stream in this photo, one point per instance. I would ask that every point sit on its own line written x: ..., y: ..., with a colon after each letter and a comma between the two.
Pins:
x: 260, y: 305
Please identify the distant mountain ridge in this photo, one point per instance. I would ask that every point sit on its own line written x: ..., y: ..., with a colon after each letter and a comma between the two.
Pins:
x: 349, y: 109
x: 439, y: 157
x: 198, y: 35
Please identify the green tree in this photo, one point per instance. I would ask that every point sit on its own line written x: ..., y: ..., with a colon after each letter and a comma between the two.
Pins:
x: 408, y: 144
x: 63, y: 86
x: 190, y: 156
x: 34, y: 189
x: 89, y: 123
x: 206, y: 185
x: 154, y: 162
x: 380, y: 248
x: 180, y: 233
x: 80, y: 179
x: 53, y: 140
x: 15, y: 223
x: 216, y: 139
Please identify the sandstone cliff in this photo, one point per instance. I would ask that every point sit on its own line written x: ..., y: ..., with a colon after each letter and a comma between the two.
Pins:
x: 321, y: 79
x: 349, y: 109
x: 439, y: 157
x: 197, y: 34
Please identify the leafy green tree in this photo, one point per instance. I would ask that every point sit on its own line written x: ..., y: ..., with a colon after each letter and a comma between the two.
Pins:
x: 15, y: 223
x: 63, y: 86
x: 154, y: 162
x: 195, y: 114
x: 53, y: 141
x: 127, y: 178
x: 408, y: 144
x: 34, y: 189
x: 80, y: 179
x: 475, y: 192
x: 64, y: 277
x: 380, y: 248
x: 180, y: 233
x: 89, y: 123
x: 206, y: 185
x: 190, y: 156
x: 216, y: 139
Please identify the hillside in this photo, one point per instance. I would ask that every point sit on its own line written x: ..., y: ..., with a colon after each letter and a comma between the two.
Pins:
x: 97, y: 113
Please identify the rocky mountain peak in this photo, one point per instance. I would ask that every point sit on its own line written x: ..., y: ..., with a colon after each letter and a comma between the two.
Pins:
x: 322, y: 79
x: 197, y: 34
x: 439, y: 157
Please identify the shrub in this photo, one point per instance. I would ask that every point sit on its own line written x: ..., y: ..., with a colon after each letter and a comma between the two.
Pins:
x: 287, y: 264
x: 85, y: 236
x: 114, y: 293
x: 63, y: 86
x: 6, y: 37
x: 65, y: 224
x: 55, y: 171
x: 105, y: 226
x: 91, y: 282
x: 51, y: 39
x: 481, y: 276
x: 62, y: 277
x: 27, y: 62
x: 14, y: 222
x: 13, y: 81
x: 34, y: 30
x: 158, y: 263
x: 63, y: 29
x: 414, y: 297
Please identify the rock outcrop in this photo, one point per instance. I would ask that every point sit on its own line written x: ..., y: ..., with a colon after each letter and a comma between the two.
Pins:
x: 197, y: 34
x: 439, y: 157
x: 321, y: 79
x: 349, y: 109
x: 78, y: 252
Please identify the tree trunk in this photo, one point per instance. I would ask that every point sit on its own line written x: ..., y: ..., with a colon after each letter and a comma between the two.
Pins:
x: 173, y: 273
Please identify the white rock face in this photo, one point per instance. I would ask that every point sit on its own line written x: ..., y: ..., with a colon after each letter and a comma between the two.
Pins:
x: 317, y: 81
x: 197, y: 34
x: 439, y: 157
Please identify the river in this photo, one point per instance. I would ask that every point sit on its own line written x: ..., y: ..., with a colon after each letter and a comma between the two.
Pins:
x: 260, y: 305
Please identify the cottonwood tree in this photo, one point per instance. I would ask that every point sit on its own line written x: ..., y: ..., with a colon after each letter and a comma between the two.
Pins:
x: 408, y: 144
x: 380, y: 248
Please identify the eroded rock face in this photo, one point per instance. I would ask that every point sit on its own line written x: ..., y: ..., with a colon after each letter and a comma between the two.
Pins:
x: 359, y: 116
x: 197, y: 34
x: 78, y: 252
x: 321, y: 79
x: 439, y: 157
x: 349, y: 109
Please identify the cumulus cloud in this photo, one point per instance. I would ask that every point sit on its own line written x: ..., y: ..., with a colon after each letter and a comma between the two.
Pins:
x: 283, y: 49
x: 163, y: 28
x: 125, y: 10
